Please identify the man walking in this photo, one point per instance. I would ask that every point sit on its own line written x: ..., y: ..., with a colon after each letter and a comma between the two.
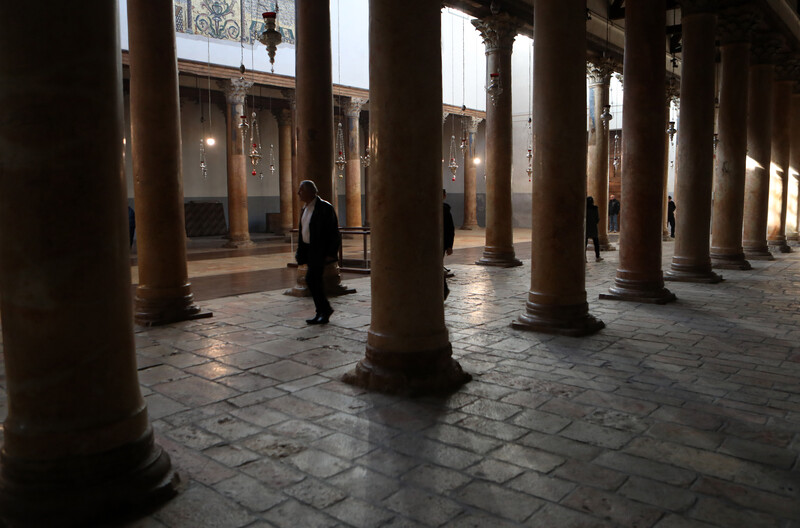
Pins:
x: 449, y: 231
x: 671, y: 216
x: 318, y: 245
x: 613, y: 215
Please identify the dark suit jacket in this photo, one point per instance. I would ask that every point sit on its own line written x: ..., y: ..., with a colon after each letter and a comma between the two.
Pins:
x: 592, y: 219
x: 325, y: 236
x: 449, y: 227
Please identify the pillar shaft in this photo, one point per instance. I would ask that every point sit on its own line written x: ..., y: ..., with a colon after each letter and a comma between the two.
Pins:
x: 557, y: 298
x: 673, y: 95
x: 597, y: 151
x: 408, y: 348
x: 793, y: 215
x: 236, y: 140
x: 759, y: 136
x: 314, y: 114
x: 639, y: 276
x: 353, y: 170
x: 286, y: 189
x: 779, y: 165
x: 726, y: 227
x: 498, y: 32
x: 77, y: 445
x: 470, y: 177
x: 691, y: 261
x: 296, y: 206
x: 164, y: 293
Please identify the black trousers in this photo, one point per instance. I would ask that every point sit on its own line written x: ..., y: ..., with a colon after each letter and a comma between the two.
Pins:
x: 671, y: 222
x: 316, y: 285
x: 596, y: 242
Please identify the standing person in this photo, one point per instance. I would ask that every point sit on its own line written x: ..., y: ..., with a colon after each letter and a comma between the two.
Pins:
x: 318, y: 245
x: 613, y: 215
x: 592, y: 219
x: 449, y: 236
x: 671, y: 216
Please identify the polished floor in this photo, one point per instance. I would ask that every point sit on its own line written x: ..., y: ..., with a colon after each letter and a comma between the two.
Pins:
x: 683, y: 415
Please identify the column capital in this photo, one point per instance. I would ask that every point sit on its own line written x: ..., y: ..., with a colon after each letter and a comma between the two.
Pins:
x: 497, y: 31
x: 290, y: 95
x: 235, y: 89
x: 283, y: 116
x: 599, y: 70
x: 766, y: 47
x: 737, y: 23
x: 353, y: 106
x: 472, y: 124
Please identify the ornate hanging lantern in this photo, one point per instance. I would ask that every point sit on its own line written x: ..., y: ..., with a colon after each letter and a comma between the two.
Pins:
x: 203, y: 166
x: 716, y: 142
x: 606, y: 116
x: 255, y: 143
x: 341, y: 161
x: 671, y: 130
x: 495, y: 88
x: 272, y: 160
x: 616, y: 161
x: 271, y: 37
x: 529, y: 155
x: 453, y: 165
x: 365, y: 159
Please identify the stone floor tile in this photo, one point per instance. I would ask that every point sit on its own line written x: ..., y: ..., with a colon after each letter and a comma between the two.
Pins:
x: 681, y: 434
x: 200, y: 506
x: 300, y: 430
x: 528, y: 458
x: 717, y: 512
x: 422, y: 506
x: 231, y: 455
x: 229, y: 427
x: 258, y: 396
x: 158, y: 406
x: 757, y: 452
x: 250, y: 493
x: 678, y: 521
x: 273, y: 473
x: 159, y: 373
x: 194, y: 437
x: 388, y: 462
x: 498, y: 501
x: 293, y: 514
x: 343, y: 446
x: 561, y: 517
x: 472, y: 442
x: 425, y: 449
x: 549, y: 488
x: 285, y: 370
x: 437, y: 479
x: 621, y: 511
x: 355, y: 512
x: 318, y: 463
x: 494, y: 471
x: 479, y: 520
x: 596, y: 435
x: 259, y: 415
x: 194, y: 391
x: 646, y: 468
x: 590, y: 474
x: 657, y: 494
x: 365, y: 484
x: 315, y: 493
x: 543, y: 422
x: 781, y: 506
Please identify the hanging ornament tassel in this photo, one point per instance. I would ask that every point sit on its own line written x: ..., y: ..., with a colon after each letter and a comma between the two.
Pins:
x: 341, y: 161
x: 453, y: 166
x: 365, y: 159
x: 203, y: 166
x: 271, y: 160
x: 255, y: 143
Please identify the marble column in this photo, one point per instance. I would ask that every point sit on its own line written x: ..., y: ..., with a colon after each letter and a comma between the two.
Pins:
x: 726, y: 227
x: 557, y: 297
x: 408, y: 347
x: 599, y: 73
x: 470, y: 177
x: 286, y: 188
x: 639, y: 276
x: 164, y: 294
x: 498, y: 32
x: 759, y: 137
x: 793, y: 216
x: 353, y: 169
x: 779, y: 164
x: 296, y: 205
x: 236, y: 140
x: 314, y: 114
x: 78, y: 448
x: 691, y: 261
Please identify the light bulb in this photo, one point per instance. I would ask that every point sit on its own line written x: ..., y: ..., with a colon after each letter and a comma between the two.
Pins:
x: 476, y: 161
x: 210, y: 141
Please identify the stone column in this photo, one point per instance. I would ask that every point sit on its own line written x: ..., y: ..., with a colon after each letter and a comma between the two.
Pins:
x: 408, y: 348
x: 286, y: 188
x: 164, y: 294
x: 779, y: 164
x: 726, y: 226
x: 793, y: 222
x: 78, y: 448
x: 296, y: 205
x: 470, y: 177
x: 599, y: 73
x: 353, y: 168
x: 672, y: 96
x: 557, y: 297
x: 639, y: 276
x: 364, y: 124
x: 691, y: 261
x: 314, y: 117
x: 498, y: 32
x: 759, y: 137
x: 236, y: 139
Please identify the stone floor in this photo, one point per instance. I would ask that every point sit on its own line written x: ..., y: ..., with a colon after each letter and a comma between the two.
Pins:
x: 684, y: 415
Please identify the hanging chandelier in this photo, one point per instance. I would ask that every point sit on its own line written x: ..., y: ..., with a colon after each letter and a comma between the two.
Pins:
x: 529, y: 155
x: 453, y: 165
x: 606, y: 116
x: 671, y: 130
x: 365, y: 159
x: 271, y: 37
x: 616, y: 161
x: 255, y: 144
x: 272, y: 160
x: 341, y: 161
x: 495, y: 88
x: 203, y: 166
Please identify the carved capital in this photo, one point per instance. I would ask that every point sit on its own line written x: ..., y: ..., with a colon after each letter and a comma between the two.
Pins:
x: 599, y: 70
x: 737, y: 23
x: 235, y: 89
x: 672, y: 90
x: 290, y: 96
x: 766, y: 48
x: 497, y: 31
x: 283, y: 116
x: 472, y: 125
x: 353, y: 107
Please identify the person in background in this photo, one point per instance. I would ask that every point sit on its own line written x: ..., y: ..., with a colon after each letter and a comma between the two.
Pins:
x: 671, y: 216
x: 449, y: 236
x: 592, y: 219
x: 613, y: 215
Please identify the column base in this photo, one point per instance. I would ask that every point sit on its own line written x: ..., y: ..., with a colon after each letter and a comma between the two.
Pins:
x: 734, y: 261
x: 605, y: 245
x: 780, y: 245
x: 160, y: 306
x: 707, y: 277
x: 758, y: 253
x: 408, y: 374
x: 331, y: 276
x: 502, y: 258
x: 239, y: 243
x: 637, y: 290
x: 572, y: 321
x: 469, y: 227
x: 96, y: 490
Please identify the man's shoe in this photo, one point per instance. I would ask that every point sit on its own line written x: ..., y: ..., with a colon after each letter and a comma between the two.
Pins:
x: 315, y: 320
x: 598, y: 259
x: 324, y: 318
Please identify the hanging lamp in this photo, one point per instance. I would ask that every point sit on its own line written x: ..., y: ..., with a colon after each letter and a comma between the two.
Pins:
x: 271, y: 37
x: 453, y: 165
x: 341, y: 161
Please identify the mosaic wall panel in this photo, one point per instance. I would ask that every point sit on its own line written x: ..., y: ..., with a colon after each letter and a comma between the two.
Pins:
x: 232, y: 19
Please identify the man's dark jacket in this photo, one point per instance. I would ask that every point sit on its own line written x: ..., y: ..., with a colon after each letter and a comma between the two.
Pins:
x: 613, y: 207
x: 449, y: 227
x: 325, y: 237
